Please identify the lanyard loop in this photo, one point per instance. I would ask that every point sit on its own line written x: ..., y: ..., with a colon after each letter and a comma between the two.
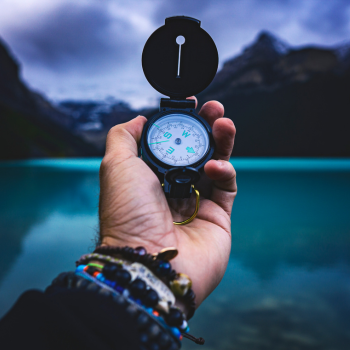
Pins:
x: 195, y: 211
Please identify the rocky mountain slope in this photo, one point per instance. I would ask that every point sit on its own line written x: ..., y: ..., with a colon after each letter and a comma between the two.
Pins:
x: 29, y: 125
x: 92, y: 120
x: 286, y: 102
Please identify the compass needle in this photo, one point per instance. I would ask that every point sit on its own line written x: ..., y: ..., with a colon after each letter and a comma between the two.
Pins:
x: 153, y: 143
x: 180, y: 40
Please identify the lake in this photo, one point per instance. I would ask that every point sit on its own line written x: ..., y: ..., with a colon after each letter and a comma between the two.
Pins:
x: 287, y: 285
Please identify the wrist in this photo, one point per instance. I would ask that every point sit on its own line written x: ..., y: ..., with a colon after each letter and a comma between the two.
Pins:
x: 177, y: 263
x: 157, y: 265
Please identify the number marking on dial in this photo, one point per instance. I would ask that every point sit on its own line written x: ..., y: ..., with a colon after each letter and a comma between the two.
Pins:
x: 167, y: 135
x: 187, y: 139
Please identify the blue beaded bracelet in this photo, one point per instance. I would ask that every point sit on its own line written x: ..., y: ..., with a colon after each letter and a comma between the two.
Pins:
x: 113, y: 287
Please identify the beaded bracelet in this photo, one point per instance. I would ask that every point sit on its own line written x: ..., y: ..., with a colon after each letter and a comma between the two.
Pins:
x: 137, y: 291
x: 174, y: 319
x: 158, y: 263
x: 152, y: 330
x: 179, y: 286
x: 126, y: 272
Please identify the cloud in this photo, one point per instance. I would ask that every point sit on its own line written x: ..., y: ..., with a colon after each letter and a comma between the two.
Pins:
x: 92, y: 48
x: 75, y: 37
x: 235, y: 23
x: 329, y: 18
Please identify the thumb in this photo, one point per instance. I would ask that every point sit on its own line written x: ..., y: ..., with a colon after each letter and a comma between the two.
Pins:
x: 122, y: 139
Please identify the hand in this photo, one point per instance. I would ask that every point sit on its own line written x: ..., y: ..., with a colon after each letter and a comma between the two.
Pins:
x: 134, y: 211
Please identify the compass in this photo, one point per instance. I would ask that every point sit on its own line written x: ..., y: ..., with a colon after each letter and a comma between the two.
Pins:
x: 178, y: 140
x: 179, y: 60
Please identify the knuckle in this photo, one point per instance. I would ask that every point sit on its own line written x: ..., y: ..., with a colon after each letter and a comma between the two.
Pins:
x: 214, y: 108
x: 234, y: 174
x: 233, y: 170
x: 114, y: 131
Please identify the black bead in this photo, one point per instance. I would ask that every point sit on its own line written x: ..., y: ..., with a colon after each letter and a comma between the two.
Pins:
x: 82, y: 283
x: 93, y: 287
x: 140, y: 251
x: 173, y: 346
x: 91, y: 270
x: 172, y: 275
x: 148, y: 258
x: 174, y: 317
x: 71, y: 280
x: 142, y: 320
x: 119, y: 299
x: 153, y: 346
x: 190, y: 313
x: 109, y: 271
x: 153, y: 331
x: 60, y: 280
x: 190, y: 295
x: 123, y: 277
x: 132, y: 310
x: 163, y: 339
x: 105, y: 292
x: 151, y: 298
x: 137, y: 288
x: 164, y: 268
x: 129, y: 252
x: 144, y: 338
x: 154, y: 264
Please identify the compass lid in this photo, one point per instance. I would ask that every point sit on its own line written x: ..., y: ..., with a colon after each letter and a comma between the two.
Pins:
x: 180, y: 71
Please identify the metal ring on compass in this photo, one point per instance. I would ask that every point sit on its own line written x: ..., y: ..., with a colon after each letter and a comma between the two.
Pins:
x: 195, y: 211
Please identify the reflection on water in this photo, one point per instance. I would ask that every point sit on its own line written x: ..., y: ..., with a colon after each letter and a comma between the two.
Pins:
x: 29, y: 196
x: 295, y: 309
x: 287, y: 285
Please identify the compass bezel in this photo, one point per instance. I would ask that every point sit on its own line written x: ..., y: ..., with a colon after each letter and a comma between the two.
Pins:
x: 162, y: 167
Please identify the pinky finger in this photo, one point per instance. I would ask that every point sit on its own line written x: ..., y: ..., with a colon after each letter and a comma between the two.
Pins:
x: 225, y: 186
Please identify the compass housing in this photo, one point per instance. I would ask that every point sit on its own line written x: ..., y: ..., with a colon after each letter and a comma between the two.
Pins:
x: 161, y: 64
x: 162, y: 167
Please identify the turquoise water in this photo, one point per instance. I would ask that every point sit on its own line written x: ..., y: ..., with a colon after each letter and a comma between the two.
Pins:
x: 287, y: 285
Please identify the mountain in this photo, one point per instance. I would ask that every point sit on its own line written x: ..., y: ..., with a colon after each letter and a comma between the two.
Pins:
x: 285, y: 101
x: 92, y: 120
x: 30, y: 125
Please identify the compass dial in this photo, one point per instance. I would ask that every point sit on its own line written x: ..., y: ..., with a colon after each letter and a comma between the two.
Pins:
x: 178, y: 139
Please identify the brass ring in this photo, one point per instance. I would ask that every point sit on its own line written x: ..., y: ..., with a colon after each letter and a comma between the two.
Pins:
x: 195, y: 211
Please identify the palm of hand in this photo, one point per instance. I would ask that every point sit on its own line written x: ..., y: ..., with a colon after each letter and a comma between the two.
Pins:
x: 135, y: 212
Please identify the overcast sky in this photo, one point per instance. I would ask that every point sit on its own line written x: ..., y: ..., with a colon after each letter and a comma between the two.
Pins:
x: 91, y: 49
